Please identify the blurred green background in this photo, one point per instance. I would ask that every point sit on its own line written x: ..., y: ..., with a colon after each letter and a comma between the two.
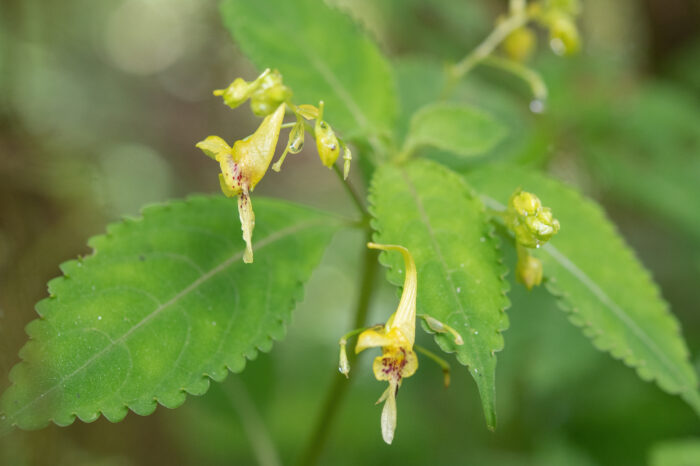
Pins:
x: 101, y: 104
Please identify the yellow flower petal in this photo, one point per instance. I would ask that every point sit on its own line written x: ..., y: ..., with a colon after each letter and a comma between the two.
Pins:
x: 395, y: 364
x: 389, y: 415
x: 405, y: 316
x: 255, y: 153
x: 372, y: 338
x: 228, y: 192
x: 231, y: 174
x: 214, y: 145
x: 245, y: 212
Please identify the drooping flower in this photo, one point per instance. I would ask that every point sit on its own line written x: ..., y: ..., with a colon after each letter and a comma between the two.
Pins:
x: 396, y: 339
x: 243, y: 166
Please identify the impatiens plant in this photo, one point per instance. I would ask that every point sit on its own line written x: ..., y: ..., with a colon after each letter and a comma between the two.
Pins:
x: 176, y: 298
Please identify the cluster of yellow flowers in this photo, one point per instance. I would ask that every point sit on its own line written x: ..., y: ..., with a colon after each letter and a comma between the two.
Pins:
x: 245, y: 164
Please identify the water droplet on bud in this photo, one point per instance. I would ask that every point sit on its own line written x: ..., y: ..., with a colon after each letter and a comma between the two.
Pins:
x: 557, y: 46
x: 537, y: 106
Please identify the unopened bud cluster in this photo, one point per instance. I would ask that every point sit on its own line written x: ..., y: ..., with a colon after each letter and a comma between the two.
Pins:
x: 533, y: 225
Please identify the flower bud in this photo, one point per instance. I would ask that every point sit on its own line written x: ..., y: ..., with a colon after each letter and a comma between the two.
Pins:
x: 295, y: 143
x: 241, y: 90
x: 564, y: 38
x: 520, y: 44
x: 347, y: 157
x: 440, y: 327
x: 270, y: 94
x: 532, y: 224
x: 326, y: 140
x: 309, y: 112
x: 296, y: 138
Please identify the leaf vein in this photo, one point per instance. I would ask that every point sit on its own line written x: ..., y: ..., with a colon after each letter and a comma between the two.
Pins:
x: 193, y: 286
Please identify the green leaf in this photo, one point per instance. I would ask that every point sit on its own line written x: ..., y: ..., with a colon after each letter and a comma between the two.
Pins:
x: 322, y: 55
x: 684, y: 452
x: 164, y: 304
x: 600, y: 282
x: 431, y: 211
x: 458, y: 128
x: 421, y: 82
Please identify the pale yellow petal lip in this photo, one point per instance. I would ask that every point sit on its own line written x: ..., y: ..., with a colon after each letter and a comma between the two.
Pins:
x: 245, y: 211
x: 372, y: 338
x: 213, y: 145
x: 389, y: 415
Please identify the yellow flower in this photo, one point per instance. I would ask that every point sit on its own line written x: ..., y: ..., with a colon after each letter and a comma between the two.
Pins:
x: 243, y: 166
x: 396, y: 338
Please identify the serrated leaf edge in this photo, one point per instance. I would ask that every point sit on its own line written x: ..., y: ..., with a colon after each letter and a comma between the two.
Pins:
x: 500, y: 264
x: 589, y: 330
x: 264, y: 344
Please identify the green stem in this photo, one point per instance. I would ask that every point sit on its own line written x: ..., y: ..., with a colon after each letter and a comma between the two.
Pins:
x: 357, y: 200
x: 253, y: 425
x: 530, y: 76
x: 444, y: 365
x: 483, y: 50
x: 352, y: 333
x: 339, y: 385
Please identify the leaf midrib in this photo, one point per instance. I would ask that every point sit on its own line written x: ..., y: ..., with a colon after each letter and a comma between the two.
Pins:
x: 446, y: 271
x: 276, y: 236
